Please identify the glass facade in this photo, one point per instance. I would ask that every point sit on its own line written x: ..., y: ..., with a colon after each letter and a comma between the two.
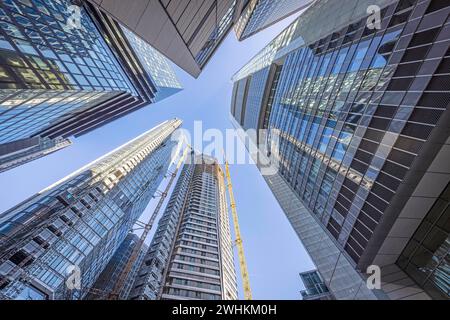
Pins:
x: 81, y: 220
x: 260, y: 14
x: 59, y: 80
x: 254, y: 99
x: 40, y: 51
x: 216, y: 36
x: 26, y: 113
x: 32, y: 149
x: 191, y: 255
x: 352, y: 110
x: 108, y: 279
x: 156, y: 65
x: 315, y: 288
x: 49, y: 71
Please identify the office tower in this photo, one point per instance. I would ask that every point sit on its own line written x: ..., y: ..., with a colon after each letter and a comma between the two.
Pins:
x: 60, y: 79
x: 186, y: 32
x: 315, y: 288
x: 357, y: 123
x: 106, y: 282
x: 257, y: 15
x: 189, y: 32
x: 36, y: 148
x: 191, y: 255
x: 156, y: 65
x: 79, y: 222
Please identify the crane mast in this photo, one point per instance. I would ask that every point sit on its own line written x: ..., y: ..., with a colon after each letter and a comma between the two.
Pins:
x: 237, y: 231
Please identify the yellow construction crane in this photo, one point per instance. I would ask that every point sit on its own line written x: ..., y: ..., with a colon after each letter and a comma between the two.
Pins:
x: 237, y: 231
x: 115, y: 294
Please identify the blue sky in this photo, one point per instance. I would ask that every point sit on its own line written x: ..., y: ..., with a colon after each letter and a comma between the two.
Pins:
x: 274, y: 254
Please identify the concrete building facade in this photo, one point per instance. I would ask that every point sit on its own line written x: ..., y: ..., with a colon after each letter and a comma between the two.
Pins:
x: 189, y: 32
x: 191, y: 255
x: 315, y: 287
x: 186, y: 32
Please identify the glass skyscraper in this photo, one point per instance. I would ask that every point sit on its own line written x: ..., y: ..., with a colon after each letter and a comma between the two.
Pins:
x: 33, y: 149
x: 60, y: 79
x: 80, y: 221
x: 259, y: 14
x: 187, y: 32
x: 356, y: 120
x: 106, y: 282
x: 156, y: 65
x: 191, y: 255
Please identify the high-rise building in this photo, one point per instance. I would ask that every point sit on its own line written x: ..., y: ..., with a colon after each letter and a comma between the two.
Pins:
x: 315, y: 287
x: 106, y: 282
x: 356, y: 112
x: 191, y: 255
x: 71, y: 229
x: 36, y: 148
x: 187, y: 32
x: 257, y: 15
x: 60, y: 79
x: 156, y: 65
